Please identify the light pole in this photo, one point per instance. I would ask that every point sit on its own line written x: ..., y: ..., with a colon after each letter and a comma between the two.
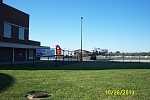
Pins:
x: 139, y: 56
x: 81, y: 40
x: 63, y: 55
x: 68, y: 56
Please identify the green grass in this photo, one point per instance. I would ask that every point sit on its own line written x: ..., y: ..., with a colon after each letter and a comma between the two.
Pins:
x: 79, y: 81
x: 76, y: 66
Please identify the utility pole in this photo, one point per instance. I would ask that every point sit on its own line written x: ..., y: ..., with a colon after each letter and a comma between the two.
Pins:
x: 81, y: 41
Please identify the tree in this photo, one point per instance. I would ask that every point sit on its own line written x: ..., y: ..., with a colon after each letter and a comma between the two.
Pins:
x: 117, y: 53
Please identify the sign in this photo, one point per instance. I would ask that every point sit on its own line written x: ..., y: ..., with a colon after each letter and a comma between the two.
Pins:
x: 58, y: 50
x: 44, y: 52
x: 52, y: 53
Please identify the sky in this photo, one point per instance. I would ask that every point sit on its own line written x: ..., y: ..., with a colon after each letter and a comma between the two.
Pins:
x: 116, y: 25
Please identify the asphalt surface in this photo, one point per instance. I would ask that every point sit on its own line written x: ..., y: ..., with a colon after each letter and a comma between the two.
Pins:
x: 104, y: 59
x: 125, y: 59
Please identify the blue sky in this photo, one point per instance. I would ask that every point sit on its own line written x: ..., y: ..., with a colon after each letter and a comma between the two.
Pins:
x: 116, y: 25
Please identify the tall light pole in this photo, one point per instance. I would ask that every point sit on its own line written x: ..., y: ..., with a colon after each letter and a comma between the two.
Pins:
x: 81, y: 40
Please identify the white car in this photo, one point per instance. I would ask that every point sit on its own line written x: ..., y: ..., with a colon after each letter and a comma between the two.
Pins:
x: 118, y: 56
x: 145, y: 56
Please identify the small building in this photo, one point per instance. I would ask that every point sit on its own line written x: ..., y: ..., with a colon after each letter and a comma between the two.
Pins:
x: 84, y: 52
x: 15, y: 45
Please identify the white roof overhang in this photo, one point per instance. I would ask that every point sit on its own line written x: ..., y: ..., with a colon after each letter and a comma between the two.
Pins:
x: 24, y: 46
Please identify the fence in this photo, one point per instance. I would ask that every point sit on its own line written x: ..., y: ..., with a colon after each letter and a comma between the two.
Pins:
x: 62, y: 60
x: 120, y: 58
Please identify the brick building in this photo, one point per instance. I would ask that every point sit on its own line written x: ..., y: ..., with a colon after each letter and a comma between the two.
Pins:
x: 15, y: 45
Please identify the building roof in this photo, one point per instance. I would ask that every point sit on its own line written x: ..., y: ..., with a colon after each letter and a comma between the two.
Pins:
x: 24, y: 46
x: 79, y: 50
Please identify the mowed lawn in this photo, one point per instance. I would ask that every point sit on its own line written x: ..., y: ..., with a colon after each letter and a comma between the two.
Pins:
x: 79, y: 81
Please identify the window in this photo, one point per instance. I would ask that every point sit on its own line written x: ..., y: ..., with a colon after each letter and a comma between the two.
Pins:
x: 21, y: 33
x: 7, y: 30
x: 31, y: 55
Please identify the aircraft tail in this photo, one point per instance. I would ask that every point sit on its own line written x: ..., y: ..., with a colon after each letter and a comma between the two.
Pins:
x: 58, y: 50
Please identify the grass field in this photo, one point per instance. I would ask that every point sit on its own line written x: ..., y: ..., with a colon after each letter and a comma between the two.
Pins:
x: 78, y: 81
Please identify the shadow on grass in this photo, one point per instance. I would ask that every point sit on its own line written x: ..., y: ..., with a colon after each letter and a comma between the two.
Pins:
x: 5, y: 81
x: 87, y: 65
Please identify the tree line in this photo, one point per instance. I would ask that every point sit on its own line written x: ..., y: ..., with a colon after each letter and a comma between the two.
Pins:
x: 118, y: 53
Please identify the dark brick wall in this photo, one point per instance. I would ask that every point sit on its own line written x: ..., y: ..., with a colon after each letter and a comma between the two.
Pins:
x: 5, y: 54
x: 1, y: 21
x: 26, y: 34
x: 12, y: 15
x: 20, y: 55
x: 34, y: 43
x: 1, y: 30
x: 17, y: 17
x: 14, y: 35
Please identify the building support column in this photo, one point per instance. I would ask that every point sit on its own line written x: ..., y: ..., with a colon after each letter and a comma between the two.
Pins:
x: 13, y: 57
x: 26, y: 55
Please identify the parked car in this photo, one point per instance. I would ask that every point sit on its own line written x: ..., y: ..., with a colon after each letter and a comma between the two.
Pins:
x: 93, y: 57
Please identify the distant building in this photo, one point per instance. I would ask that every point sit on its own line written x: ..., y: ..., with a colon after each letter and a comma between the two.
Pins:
x: 84, y: 52
x: 15, y: 45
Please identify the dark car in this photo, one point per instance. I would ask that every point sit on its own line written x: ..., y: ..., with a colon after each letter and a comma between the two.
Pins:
x: 93, y: 57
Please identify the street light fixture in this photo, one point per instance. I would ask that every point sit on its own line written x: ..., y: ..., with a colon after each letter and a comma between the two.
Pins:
x: 81, y: 41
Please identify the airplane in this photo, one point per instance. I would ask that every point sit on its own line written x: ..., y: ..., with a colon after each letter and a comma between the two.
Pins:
x: 98, y: 51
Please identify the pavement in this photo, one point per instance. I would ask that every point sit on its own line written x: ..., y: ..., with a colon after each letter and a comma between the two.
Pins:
x: 104, y: 59
x: 126, y: 59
